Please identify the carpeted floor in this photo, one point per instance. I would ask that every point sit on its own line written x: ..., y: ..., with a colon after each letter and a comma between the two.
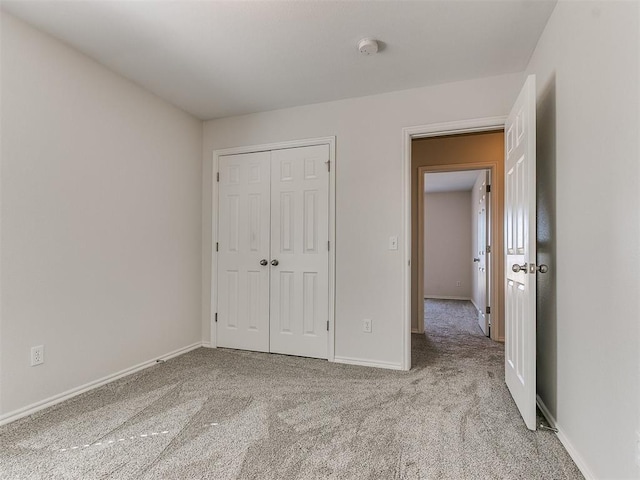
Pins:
x: 225, y: 414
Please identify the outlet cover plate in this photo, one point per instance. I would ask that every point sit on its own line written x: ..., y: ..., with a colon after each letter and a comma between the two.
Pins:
x: 366, y: 325
x: 37, y: 355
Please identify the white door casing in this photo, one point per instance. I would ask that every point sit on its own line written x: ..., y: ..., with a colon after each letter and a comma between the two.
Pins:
x: 299, y: 243
x: 274, y: 205
x: 520, y: 252
x: 243, y: 242
x: 481, y: 252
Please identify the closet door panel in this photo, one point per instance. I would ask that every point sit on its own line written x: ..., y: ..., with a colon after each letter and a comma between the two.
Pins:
x: 299, y: 303
x: 243, y: 243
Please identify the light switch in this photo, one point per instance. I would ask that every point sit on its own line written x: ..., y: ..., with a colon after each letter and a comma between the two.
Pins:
x: 393, y: 243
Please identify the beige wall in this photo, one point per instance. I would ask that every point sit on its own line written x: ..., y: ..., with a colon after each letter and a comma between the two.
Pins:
x: 101, y: 202
x: 447, y: 245
x: 587, y: 67
x: 479, y: 148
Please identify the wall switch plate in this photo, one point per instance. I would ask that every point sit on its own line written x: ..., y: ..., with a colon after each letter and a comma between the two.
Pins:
x: 37, y: 355
x: 393, y: 242
x: 366, y: 325
x: 458, y: 283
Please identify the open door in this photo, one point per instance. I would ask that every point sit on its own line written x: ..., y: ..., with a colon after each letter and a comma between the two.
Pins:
x: 481, y: 258
x: 520, y: 252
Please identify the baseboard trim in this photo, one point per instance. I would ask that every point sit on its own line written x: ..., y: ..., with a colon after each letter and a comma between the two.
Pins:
x: 445, y: 297
x: 474, y: 304
x: 367, y: 363
x: 61, y: 397
x: 571, y: 450
x: 207, y: 345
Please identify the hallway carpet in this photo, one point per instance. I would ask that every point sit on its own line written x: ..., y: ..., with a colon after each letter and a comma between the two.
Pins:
x: 226, y: 414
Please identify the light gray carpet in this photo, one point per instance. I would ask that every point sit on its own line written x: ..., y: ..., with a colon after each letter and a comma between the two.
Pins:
x: 224, y: 414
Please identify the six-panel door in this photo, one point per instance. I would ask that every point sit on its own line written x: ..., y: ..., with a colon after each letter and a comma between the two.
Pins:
x: 273, y: 262
x: 481, y: 252
x: 243, y: 242
x: 299, y: 235
x: 520, y: 252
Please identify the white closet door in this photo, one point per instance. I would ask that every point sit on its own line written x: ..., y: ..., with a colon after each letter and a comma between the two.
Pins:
x: 299, y: 250
x: 243, y: 243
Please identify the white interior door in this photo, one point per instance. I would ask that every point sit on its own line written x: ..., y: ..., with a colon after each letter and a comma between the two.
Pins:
x: 243, y: 243
x: 481, y: 252
x: 520, y: 252
x: 299, y: 250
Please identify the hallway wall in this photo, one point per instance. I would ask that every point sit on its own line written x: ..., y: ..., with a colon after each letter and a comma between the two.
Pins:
x: 447, y: 245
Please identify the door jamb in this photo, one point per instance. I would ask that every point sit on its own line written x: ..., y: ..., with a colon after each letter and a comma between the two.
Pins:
x: 331, y: 142
x: 486, y: 124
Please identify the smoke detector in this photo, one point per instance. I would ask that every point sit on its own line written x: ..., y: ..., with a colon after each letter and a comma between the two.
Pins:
x: 368, y: 46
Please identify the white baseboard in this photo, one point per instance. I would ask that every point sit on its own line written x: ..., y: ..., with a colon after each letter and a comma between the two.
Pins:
x: 445, y: 297
x: 573, y: 453
x: 367, y: 363
x: 474, y: 304
x: 207, y: 345
x: 61, y: 397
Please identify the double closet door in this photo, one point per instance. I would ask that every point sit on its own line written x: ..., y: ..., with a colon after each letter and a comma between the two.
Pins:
x: 273, y: 262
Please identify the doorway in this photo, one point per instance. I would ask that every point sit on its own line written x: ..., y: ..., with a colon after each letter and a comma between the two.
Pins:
x: 475, y: 145
x: 454, y: 218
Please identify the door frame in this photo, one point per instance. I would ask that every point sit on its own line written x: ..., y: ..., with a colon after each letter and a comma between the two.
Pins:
x: 486, y: 124
x: 495, y: 236
x: 331, y: 142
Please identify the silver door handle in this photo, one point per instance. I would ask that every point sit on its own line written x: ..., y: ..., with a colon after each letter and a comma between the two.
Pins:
x: 264, y: 261
x: 543, y: 268
x: 476, y: 259
x: 275, y: 263
x: 516, y: 268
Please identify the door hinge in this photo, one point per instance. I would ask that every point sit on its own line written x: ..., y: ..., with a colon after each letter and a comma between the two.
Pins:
x: 488, y: 310
x: 217, y: 246
x: 327, y: 325
x: 217, y: 176
x: 328, y: 245
x: 488, y: 248
x: 488, y: 188
x: 216, y: 317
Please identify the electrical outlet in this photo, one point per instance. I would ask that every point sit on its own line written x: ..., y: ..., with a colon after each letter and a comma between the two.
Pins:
x: 458, y: 283
x: 37, y: 355
x: 366, y: 325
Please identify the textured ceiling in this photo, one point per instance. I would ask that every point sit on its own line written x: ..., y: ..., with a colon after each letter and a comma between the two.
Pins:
x: 222, y: 58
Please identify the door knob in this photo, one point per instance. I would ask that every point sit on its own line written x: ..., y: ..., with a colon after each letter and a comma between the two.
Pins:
x: 263, y: 262
x: 274, y: 262
x: 543, y: 268
x: 476, y: 259
x: 516, y: 268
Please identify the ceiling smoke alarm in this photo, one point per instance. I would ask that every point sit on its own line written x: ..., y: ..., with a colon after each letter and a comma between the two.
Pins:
x: 368, y: 46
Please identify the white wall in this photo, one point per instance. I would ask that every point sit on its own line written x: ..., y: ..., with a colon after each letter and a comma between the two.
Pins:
x: 586, y: 64
x: 447, y: 245
x: 369, y: 197
x: 101, y: 208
